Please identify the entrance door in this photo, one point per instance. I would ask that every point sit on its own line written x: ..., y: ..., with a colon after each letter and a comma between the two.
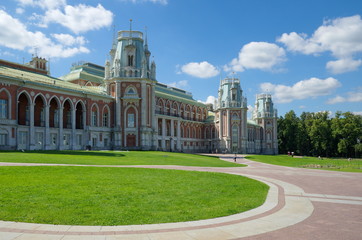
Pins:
x: 131, y: 140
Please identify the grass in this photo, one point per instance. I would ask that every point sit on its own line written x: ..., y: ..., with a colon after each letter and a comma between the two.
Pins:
x: 122, y: 196
x: 114, y: 158
x: 333, y: 164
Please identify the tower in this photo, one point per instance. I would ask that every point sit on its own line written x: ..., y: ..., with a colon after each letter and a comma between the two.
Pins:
x: 131, y: 79
x: 231, y: 116
x: 265, y: 115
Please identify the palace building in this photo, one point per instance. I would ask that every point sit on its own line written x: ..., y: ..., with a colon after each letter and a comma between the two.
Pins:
x: 122, y: 106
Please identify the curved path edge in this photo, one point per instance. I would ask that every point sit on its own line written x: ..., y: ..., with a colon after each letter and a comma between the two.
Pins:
x: 283, y: 207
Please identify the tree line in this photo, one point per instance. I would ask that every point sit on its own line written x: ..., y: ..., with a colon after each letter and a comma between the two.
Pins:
x: 317, y: 134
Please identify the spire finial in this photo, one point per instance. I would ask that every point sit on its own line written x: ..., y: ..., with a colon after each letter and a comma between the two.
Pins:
x: 130, y: 25
x: 146, y: 42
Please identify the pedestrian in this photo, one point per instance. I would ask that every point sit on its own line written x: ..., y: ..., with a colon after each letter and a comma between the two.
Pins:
x: 292, y: 154
x: 235, y: 158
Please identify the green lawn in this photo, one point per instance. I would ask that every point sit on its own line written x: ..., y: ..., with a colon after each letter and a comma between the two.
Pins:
x: 121, y: 196
x: 114, y: 158
x: 355, y: 165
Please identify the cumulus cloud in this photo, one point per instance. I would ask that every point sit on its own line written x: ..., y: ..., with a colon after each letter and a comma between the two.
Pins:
x: 355, y: 96
x: 80, y: 18
x: 69, y: 40
x: 45, y: 4
x: 200, y: 70
x: 341, y: 36
x: 257, y: 55
x: 343, y: 65
x: 310, y: 88
x: 210, y: 100
x: 15, y: 35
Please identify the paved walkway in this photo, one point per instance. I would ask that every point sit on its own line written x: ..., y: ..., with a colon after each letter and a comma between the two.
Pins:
x: 301, y: 204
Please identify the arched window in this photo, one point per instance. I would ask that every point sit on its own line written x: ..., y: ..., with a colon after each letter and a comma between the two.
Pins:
x: 105, y: 117
x: 131, y: 91
x: 4, y: 104
x: 131, y: 118
x: 53, y: 113
x: 23, y: 109
x: 94, y: 116
x: 79, y: 116
x: 67, y: 115
x: 39, y: 112
x: 130, y: 60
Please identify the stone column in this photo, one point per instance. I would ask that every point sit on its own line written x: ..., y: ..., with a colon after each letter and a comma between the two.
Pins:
x: 117, y: 133
x: 154, y: 121
x: 163, y: 140
x: 172, y: 139
x: 31, y: 127
x: 60, y: 137
x: 47, y: 131
x: 221, y: 124
x: 73, y: 135
x: 85, y: 135
x: 143, y: 115
x: 228, y: 135
x: 178, y: 143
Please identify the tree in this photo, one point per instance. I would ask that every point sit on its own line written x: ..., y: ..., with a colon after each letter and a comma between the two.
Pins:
x: 287, y: 132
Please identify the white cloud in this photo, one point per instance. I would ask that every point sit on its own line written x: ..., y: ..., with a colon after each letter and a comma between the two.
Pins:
x: 200, y: 70
x: 341, y: 36
x: 45, y: 4
x: 15, y: 35
x: 343, y: 65
x: 211, y: 99
x: 69, y: 40
x: 357, y: 113
x: 179, y: 84
x: 162, y: 2
x: 19, y: 10
x: 257, y: 55
x: 309, y: 88
x: 351, y: 97
x: 80, y: 18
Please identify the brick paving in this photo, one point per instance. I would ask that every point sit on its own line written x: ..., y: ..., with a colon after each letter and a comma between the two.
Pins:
x: 302, y: 204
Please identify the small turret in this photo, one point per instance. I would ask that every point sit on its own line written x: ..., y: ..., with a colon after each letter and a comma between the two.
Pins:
x: 39, y: 63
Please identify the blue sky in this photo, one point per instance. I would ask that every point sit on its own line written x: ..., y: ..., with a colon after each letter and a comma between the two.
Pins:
x: 307, y: 54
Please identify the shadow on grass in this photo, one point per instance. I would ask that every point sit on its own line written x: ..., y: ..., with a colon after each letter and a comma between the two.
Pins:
x: 72, y: 152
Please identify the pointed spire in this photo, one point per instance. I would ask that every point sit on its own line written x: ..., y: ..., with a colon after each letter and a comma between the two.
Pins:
x: 146, y: 41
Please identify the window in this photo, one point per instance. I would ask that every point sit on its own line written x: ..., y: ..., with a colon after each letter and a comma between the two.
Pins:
x: 3, y: 108
x: 94, y: 118
x: 130, y: 122
x: 105, y: 142
x: 131, y: 91
x: 94, y: 142
x: 3, y: 138
x: 130, y: 60
x: 105, y: 119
